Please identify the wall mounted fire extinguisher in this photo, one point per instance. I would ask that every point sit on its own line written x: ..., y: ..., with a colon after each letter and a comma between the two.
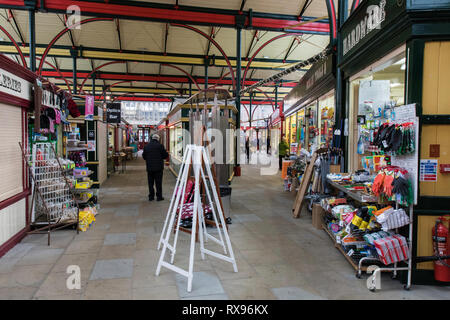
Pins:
x: 441, y: 247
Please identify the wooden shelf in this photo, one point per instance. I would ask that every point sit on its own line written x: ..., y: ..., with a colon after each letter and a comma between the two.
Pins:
x: 354, y: 195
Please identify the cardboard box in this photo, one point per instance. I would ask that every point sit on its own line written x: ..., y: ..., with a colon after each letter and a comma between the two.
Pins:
x: 335, y: 168
x: 317, y: 216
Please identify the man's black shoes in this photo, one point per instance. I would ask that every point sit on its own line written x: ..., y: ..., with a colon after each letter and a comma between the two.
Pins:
x: 160, y: 199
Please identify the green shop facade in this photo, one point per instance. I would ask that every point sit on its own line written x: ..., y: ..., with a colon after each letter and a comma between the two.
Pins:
x: 402, y: 48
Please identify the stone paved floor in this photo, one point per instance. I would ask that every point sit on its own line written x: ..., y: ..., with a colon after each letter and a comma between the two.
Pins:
x: 278, y: 257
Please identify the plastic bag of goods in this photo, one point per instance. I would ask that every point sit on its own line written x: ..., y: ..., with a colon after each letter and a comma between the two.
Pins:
x: 86, y: 218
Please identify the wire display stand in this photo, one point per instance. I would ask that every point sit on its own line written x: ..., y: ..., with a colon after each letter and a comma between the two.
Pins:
x: 53, y: 204
x: 373, y: 282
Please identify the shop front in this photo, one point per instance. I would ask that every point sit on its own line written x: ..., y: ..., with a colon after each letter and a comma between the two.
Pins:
x: 275, y: 123
x: 394, y: 56
x: 180, y: 124
x: 91, y: 128
x: 15, y: 99
x: 40, y: 179
x: 309, y: 108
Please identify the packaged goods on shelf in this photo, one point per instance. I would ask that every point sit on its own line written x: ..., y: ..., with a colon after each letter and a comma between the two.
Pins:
x: 339, y: 177
x: 392, y: 249
x: 83, y: 184
x: 342, y: 211
x: 392, y: 219
x: 81, y: 172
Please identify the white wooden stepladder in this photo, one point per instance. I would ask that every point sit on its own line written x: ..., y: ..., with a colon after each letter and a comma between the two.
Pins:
x: 195, y: 156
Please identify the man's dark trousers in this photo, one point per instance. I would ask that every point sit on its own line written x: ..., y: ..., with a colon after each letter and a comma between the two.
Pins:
x: 155, y: 178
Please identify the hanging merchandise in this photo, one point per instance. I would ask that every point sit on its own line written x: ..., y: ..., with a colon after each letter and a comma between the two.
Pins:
x: 79, y: 157
x: 398, y: 139
x: 360, y: 147
x: 73, y: 109
x: 393, y: 183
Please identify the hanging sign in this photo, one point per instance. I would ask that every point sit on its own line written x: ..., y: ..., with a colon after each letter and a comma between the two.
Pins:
x: 89, y: 108
x: 113, y: 112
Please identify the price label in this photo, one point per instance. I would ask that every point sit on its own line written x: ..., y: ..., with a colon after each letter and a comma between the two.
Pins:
x: 350, y: 253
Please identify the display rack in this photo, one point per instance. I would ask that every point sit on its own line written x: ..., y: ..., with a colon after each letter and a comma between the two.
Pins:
x: 408, y: 163
x: 375, y: 263
x: 356, y: 263
x: 53, y: 204
x: 358, y: 196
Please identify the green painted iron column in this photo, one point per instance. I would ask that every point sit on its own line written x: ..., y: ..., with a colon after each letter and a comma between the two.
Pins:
x: 32, y: 38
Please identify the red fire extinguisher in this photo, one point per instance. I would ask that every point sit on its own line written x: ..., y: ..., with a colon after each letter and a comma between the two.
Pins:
x: 441, y: 247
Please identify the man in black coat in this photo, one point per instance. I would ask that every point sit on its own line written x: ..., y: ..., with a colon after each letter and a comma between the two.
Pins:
x: 154, y: 155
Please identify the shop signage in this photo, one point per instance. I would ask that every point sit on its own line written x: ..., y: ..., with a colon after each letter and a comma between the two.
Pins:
x: 318, y: 72
x: 15, y: 86
x: 375, y: 15
x: 144, y: 112
x: 322, y: 70
x: 113, y: 113
x: 369, y: 18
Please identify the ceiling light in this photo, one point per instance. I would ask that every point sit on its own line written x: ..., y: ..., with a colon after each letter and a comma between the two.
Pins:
x: 266, y: 57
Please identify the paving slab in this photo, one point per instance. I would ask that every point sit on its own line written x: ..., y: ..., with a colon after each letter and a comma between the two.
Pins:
x: 203, y: 284
x: 112, y: 269
x: 295, y: 293
x: 112, y: 239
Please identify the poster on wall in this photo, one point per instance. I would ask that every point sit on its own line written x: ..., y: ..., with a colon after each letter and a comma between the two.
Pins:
x: 113, y: 112
x: 428, y: 170
x: 91, y: 135
x: 294, y: 148
x: 89, y: 108
x: 373, y: 96
x: 91, y: 145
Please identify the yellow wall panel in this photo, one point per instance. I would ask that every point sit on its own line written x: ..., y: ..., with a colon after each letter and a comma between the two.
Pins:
x: 436, y: 78
x: 443, y: 183
x: 436, y: 134
x: 444, y: 79
x: 424, y: 240
x: 430, y: 77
